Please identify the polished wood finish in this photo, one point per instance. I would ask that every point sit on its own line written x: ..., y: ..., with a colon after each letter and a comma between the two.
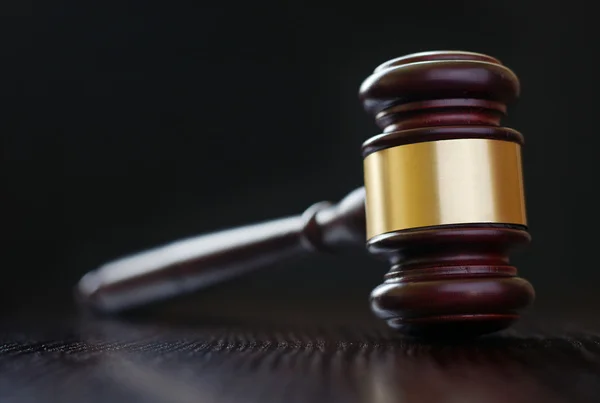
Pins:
x: 189, y: 265
x: 452, y: 279
x: 440, y: 88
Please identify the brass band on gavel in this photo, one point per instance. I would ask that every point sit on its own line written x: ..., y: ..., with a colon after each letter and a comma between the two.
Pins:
x: 444, y: 182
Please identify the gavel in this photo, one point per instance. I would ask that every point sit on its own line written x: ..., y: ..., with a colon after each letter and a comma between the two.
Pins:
x: 443, y: 202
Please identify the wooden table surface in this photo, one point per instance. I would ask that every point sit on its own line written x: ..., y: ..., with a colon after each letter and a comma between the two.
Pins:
x: 84, y: 359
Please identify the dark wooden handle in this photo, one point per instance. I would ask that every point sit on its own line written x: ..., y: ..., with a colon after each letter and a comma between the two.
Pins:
x: 189, y: 265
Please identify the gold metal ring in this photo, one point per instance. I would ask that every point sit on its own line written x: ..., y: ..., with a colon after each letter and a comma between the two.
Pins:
x: 444, y: 182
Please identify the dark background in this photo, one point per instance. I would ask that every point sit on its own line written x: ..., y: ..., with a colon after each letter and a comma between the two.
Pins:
x: 130, y: 124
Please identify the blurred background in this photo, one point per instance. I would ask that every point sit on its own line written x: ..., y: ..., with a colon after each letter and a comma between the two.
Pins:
x: 129, y: 125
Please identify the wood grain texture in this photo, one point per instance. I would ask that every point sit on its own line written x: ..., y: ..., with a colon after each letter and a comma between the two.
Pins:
x: 80, y: 361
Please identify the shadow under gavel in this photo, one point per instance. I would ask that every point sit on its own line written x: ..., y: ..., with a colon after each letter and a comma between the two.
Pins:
x: 192, y: 264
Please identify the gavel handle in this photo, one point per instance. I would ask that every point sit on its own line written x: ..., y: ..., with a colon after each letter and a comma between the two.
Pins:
x: 189, y: 265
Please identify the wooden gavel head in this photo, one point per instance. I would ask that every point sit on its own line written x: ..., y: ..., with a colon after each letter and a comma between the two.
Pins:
x: 444, y: 193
